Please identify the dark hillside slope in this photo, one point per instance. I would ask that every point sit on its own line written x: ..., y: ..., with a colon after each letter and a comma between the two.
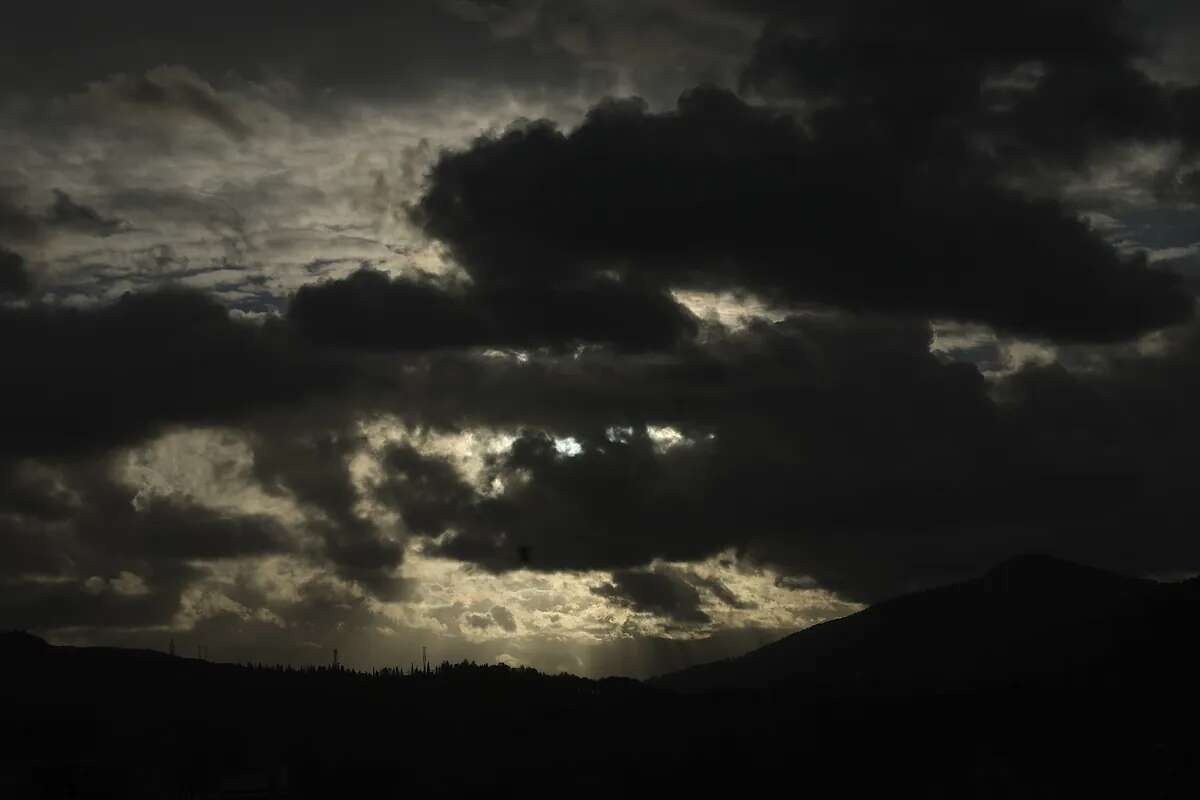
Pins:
x: 1030, y: 619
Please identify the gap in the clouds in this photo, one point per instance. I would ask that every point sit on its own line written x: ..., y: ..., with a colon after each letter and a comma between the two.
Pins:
x: 568, y: 446
x: 994, y: 355
x: 566, y: 606
x: 732, y: 310
x: 277, y: 182
x: 295, y: 598
x: 999, y: 356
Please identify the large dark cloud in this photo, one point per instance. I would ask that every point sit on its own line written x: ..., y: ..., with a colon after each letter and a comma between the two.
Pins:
x: 14, y: 279
x: 936, y: 51
x: 841, y: 449
x: 57, y: 605
x: 789, y: 453
x: 82, y: 383
x: 1023, y: 89
x: 80, y: 379
x: 368, y: 310
x: 790, y: 457
x: 720, y: 194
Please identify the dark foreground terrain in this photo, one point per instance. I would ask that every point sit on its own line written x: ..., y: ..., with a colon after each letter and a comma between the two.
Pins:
x: 1040, y: 679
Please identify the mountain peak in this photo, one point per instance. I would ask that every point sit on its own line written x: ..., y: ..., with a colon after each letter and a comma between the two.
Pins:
x: 1034, y: 563
x: 1033, y: 569
x: 1029, y: 617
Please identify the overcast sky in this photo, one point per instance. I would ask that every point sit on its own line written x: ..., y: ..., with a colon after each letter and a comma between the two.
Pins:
x: 590, y: 335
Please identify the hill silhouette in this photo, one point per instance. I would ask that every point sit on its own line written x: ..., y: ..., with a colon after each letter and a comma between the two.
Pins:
x: 1039, y: 678
x: 1031, y: 619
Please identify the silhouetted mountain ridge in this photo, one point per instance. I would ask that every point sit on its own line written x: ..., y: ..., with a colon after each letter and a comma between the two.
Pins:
x: 1039, y: 678
x: 1033, y: 618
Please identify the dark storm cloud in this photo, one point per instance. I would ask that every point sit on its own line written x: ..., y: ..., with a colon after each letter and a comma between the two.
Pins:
x: 720, y: 194
x: 182, y: 205
x: 504, y: 618
x: 79, y: 382
x: 805, y: 469
x: 402, y: 50
x: 940, y: 52
x: 478, y: 621
x: 798, y: 435
x: 164, y: 530
x: 177, y: 91
x: 19, y: 223
x: 84, y: 548
x: 718, y: 589
x: 657, y: 46
x: 51, y: 605
x: 1014, y: 87
x: 81, y: 548
x: 14, y: 279
x: 369, y: 310
x: 77, y: 551
x: 85, y: 379
x: 795, y: 583
x: 809, y: 469
x: 661, y: 593
x: 28, y: 550
x: 68, y: 214
x: 306, y: 455
x: 30, y: 490
x: 427, y: 489
x: 498, y: 617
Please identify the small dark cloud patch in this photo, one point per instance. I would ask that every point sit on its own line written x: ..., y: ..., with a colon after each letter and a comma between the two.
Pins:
x: 498, y: 617
x: 14, y: 279
x: 719, y: 590
x: 68, y: 214
x: 20, y: 223
x: 177, y: 90
x: 17, y: 222
x: 478, y: 621
x: 795, y: 582
x: 504, y: 618
x: 661, y: 593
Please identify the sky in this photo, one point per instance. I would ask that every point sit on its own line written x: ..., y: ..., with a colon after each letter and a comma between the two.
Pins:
x: 587, y: 335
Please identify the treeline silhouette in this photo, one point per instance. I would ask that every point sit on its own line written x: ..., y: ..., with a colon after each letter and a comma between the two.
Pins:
x: 103, y: 722
x: 108, y: 722
x: 445, y: 671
